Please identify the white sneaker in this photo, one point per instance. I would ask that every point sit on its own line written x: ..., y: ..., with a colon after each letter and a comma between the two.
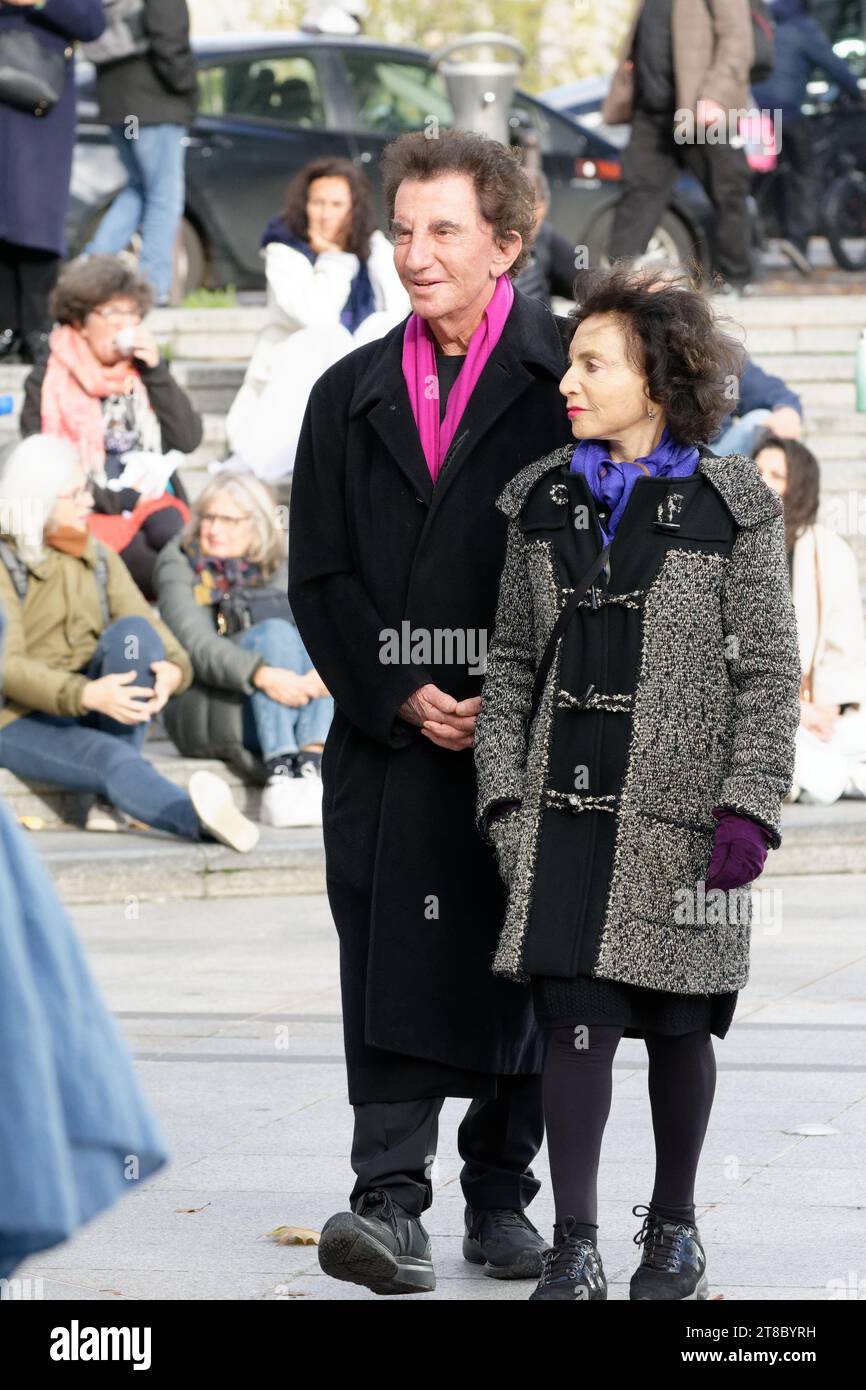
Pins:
x: 102, y: 817
x: 214, y: 805
x: 290, y: 801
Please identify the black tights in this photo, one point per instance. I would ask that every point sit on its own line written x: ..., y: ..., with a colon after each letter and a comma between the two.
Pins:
x: 578, y: 1079
x: 140, y: 555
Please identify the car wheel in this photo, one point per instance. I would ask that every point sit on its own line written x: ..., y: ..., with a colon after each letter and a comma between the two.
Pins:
x: 190, y: 262
x: 670, y: 244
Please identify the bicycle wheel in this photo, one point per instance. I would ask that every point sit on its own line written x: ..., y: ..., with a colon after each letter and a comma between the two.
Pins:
x: 845, y: 220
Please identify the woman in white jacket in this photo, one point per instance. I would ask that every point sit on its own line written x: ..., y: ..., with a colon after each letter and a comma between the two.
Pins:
x: 830, y: 758
x: 331, y: 286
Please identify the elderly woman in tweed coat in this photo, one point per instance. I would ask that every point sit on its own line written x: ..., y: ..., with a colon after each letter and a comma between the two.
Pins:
x: 631, y: 796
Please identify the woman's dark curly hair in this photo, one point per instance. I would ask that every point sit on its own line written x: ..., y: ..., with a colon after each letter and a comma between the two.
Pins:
x: 362, y: 217
x: 506, y: 198
x: 803, y: 490
x: 692, y: 367
x: 86, y: 284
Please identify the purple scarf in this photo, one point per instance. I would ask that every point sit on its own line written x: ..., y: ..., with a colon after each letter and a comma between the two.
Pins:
x: 667, y: 460
x: 419, y: 371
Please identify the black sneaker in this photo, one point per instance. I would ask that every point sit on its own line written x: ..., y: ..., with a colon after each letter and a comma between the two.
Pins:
x: 572, y: 1270
x: 35, y: 348
x: 673, y: 1261
x: 10, y: 344
x: 379, y: 1245
x: 308, y: 763
x: 504, y: 1241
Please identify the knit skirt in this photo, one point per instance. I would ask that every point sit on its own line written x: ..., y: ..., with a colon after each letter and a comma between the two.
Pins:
x: 585, y: 999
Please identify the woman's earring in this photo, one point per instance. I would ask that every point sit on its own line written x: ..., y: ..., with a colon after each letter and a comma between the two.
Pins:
x: 651, y: 414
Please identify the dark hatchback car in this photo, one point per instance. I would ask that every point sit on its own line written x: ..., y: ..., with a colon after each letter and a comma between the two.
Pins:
x: 272, y: 102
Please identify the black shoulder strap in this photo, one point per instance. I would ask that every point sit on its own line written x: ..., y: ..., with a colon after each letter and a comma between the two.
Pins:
x: 565, y: 617
x: 101, y: 572
x: 16, y: 567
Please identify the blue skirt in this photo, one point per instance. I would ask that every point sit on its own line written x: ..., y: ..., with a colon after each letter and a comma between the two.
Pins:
x: 75, y: 1129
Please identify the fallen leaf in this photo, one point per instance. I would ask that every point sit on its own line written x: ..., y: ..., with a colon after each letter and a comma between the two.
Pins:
x: 191, y: 1210
x: 293, y: 1235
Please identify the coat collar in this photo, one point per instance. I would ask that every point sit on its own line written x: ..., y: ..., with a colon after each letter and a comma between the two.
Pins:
x: 530, y: 335
x: 531, y: 338
x: 735, y: 477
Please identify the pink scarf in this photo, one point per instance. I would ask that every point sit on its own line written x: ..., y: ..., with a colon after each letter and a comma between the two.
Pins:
x: 419, y: 369
x: 75, y: 385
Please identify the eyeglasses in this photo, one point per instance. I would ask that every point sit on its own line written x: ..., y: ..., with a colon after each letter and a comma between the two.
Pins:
x: 211, y: 519
x: 115, y: 315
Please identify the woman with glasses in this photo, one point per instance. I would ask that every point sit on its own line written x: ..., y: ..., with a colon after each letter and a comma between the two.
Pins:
x: 87, y: 665
x: 107, y: 390
x: 256, y: 700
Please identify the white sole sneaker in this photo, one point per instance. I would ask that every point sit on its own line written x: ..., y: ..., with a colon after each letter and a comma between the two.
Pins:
x: 213, y: 804
x: 288, y: 802
x: 105, y: 819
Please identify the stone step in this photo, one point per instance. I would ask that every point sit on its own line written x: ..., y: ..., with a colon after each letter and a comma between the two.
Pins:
x: 135, y: 867
x: 820, y: 840
x: 809, y: 367
x: 132, y: 867
x: 797, y: 311
x: 811, y: 339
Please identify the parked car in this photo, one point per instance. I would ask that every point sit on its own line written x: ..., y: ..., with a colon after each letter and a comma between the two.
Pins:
x: 271, y: 102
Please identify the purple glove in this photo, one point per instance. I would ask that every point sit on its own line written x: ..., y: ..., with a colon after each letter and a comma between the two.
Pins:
x: 740, y: 847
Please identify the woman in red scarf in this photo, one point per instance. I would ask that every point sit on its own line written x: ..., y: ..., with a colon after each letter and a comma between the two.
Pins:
x: 106, y: 389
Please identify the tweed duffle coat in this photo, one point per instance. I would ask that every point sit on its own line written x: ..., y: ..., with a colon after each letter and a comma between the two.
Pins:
x: 674, y: 690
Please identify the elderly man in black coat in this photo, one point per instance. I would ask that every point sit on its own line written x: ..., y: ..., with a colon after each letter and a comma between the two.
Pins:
x: 393, y: 582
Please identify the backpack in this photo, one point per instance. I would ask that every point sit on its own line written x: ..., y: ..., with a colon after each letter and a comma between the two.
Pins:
x: 18, y: 574
x: 124, y: 36
x: 764, y: 40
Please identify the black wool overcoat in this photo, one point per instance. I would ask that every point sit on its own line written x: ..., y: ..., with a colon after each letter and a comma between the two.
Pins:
x: 377, y: 554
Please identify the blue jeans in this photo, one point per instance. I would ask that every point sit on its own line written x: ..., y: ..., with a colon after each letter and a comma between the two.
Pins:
x: 741, y: 434
x: 96, y: 754
x: 152, y: 200
x: 270, y: 728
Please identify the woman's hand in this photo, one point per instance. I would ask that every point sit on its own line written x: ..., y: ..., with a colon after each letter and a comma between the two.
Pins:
x: 168, y: 678
x: 115, y: 696
x: 820, y: 720
x: 145, y: 347
x: 315, y: 686
x: 321, y: 246
x: 739, y: 851
x: 286, y: 687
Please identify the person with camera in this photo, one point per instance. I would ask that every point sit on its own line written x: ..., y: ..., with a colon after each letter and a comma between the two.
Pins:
x: 107, y: 389
x: 87, y: 665
x: 257, y: 702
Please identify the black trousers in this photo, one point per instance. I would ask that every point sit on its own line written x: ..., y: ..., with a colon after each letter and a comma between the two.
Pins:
x: 650, y: 167
x: 395, y: 1143
x: 801, y: 184
x: 27, y: 277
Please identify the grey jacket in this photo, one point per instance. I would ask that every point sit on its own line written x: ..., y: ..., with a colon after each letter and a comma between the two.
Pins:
x: 675, y: 689
x: 207, y: 720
